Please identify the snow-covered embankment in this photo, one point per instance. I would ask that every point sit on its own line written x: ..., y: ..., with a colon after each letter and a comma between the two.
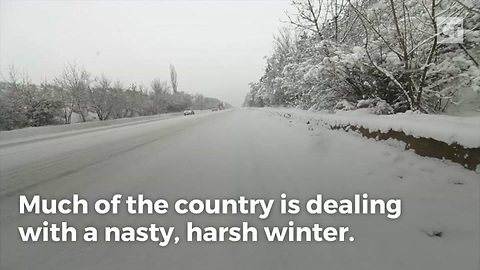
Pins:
x: 445, y: 137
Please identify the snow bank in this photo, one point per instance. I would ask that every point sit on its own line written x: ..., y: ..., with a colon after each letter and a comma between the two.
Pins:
x: 39, y: 133
x: 35, y: 131
x: 464, y: 131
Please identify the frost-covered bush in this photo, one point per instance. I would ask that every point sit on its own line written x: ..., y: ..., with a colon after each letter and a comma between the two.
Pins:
x: 377, y: 50
x: 375, y: 106
x: 344, y: 105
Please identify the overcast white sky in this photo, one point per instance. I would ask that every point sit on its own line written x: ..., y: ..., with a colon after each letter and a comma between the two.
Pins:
x: 217, y: 47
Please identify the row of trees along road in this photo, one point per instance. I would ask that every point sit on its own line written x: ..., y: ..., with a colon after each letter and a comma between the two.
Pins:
x: 392, y: 54
x: 77, y: 92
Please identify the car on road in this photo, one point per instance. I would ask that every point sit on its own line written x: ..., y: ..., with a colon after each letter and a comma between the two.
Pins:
x: 214, y: 109
x: 188, y: 112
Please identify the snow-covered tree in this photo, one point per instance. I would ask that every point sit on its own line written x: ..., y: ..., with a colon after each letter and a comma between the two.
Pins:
x: 377, y: 52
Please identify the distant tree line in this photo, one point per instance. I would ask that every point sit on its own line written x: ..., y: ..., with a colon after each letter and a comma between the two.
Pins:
x: 76, y: 91
x: 395, y: 55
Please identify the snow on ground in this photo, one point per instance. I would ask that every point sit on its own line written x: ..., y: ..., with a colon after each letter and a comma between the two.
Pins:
x: 257, y: 154
x: 449, y: 129
x: 45, y: 132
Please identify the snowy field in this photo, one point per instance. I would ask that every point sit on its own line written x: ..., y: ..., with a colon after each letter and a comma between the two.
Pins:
x: 252, y: 153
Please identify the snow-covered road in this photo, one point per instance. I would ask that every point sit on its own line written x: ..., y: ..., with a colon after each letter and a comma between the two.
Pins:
x: 228, y: 154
